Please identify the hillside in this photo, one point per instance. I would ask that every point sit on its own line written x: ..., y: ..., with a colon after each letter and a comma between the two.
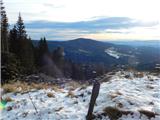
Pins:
x: 125, y: 96
x: 90, y: 51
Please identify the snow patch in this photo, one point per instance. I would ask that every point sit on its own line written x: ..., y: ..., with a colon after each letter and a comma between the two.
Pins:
x: 112, y: 52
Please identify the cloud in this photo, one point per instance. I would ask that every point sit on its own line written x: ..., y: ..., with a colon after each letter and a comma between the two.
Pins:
x: 50, y: 5
x: 76, y: 10
x: 98, y: 24
x: 87, y: 18
x: 53, y: 34
x: 103, y: 27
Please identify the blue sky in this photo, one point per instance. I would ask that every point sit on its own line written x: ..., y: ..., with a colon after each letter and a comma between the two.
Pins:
x: 97, y: 19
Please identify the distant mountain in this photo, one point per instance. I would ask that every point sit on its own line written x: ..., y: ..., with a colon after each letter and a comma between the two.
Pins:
x: 136, y: 43
x: 90, y: 51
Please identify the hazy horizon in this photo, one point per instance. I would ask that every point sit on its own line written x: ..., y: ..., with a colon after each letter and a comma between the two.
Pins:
x: 128, y: 40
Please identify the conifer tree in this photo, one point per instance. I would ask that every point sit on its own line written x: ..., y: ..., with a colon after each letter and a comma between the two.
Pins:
x: 4, y: 29
x: 21, y: 28
x: 42, y: 50
x: 13, y: 39
x: 43, y: 47
x: 22, y: 46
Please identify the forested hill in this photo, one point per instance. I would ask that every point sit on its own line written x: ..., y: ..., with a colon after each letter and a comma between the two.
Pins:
x: 84, y: 50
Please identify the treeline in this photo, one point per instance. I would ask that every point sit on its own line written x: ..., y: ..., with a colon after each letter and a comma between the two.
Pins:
x: 17, y: 50
x: 20, y: 57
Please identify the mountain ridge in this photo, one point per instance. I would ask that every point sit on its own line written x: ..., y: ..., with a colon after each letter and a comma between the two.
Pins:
x: 88, y: 51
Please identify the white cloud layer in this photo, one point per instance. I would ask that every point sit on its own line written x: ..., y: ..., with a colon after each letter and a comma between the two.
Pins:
x: 76, y: 10
x: 83, y: 10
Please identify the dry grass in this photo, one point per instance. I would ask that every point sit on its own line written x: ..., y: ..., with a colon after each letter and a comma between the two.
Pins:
x: 21, y: 87
x: 38, y: 86
x: 147, y: 113
x: 9, y: 88
x: 16, y: 86
x: 71, y: 94
x: 120, y: 105
x: 114, y: 95
x: 73, y: 85
x: 139, y: 74
x: 8, y: 99
x: 56, y: 88
x: 115, y: 113
x: 50, y: 94
x: 83, y: 87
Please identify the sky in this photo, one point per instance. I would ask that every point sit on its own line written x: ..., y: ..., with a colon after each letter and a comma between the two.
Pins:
x: 96, y: 19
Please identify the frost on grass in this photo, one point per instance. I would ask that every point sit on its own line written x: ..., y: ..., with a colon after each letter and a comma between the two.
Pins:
x: 136, y: 97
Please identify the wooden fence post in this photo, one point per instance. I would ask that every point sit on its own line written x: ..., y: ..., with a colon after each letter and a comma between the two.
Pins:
x: 95, y: 92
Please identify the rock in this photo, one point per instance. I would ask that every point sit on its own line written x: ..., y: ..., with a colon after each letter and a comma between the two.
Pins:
x: 9, y: 108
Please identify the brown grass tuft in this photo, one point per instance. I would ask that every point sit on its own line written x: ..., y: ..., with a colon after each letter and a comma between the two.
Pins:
x: 9, y: 88
x: 50, y: 94
x: 8, y: 99
x: 73, y: 85
x: 147, y: 113
x: 115, y: 113
x: 56, y: 88
x: 139, y: 74
x: 114, y: 95
x: 71, y: 94
x: 120, y: 105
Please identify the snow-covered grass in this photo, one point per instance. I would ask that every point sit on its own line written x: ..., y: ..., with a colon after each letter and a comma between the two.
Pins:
x: 129, y: 98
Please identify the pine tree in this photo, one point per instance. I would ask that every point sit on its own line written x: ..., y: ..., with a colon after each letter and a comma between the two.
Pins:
x: 45, y: 46
x: 13, y: 39
x: 21, y: 28
x: 42, y: 50
x: 22, y: 46
x: 4, y: 29
x: 29, y: 56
